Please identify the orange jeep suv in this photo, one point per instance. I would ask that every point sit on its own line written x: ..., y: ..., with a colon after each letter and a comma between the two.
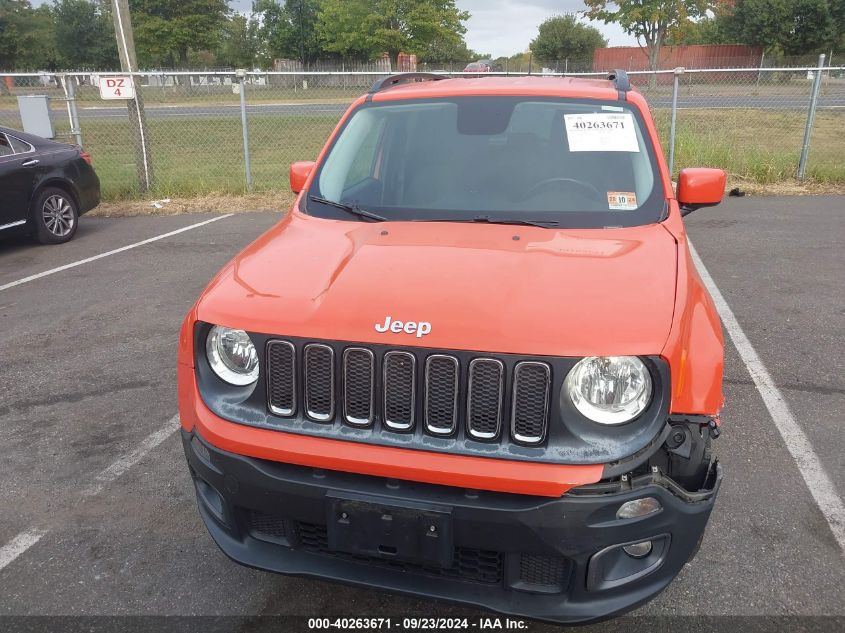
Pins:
x: 474, y: 362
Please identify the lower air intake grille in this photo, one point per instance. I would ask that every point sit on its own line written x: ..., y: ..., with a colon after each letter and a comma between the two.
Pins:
x: 530, y: 406
x: 471, y: 565
x: 266, y: 527
x: 478, y: 564
x: 549, y: 572
x: 312, y: 536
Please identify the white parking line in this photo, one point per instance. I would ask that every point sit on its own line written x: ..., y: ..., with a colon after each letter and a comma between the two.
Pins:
x: 18, y: 545
x: 797, y: 442
x: 59, y: 269
x: 127, y: 461
x: 23, y: 541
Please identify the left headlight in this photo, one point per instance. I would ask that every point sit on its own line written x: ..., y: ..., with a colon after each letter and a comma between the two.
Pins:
x: 232, y: 355
x: 609, y: 389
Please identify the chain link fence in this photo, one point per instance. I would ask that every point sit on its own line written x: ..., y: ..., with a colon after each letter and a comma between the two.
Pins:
x: 751, y: 122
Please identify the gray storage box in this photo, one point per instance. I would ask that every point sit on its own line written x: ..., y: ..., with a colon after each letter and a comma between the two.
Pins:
x: 35, y: 115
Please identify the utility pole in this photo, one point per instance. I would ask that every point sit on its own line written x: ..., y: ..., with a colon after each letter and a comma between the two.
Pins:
x: 137, y: 119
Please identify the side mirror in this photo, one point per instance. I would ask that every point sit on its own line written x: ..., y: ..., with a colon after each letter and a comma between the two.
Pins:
x: 700, y: 187
x: 299, y: 172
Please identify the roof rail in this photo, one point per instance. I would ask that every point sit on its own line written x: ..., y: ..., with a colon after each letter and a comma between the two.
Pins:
x: 620, y: 80
x: 394, y: 80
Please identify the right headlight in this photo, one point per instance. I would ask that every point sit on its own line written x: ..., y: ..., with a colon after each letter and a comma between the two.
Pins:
x: 609, y: 389
x: 232, y: 355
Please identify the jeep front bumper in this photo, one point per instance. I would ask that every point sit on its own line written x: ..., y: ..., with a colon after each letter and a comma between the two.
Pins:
x: 558, y: 559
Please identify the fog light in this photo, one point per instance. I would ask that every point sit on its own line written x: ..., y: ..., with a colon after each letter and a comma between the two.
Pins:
x: 638, y: 508
x: 638, y: 550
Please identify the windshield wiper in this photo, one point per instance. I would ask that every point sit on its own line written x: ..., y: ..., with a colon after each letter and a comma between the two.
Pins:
x: 543, y: 224
x: 353, y: 209
x: 485, y: 219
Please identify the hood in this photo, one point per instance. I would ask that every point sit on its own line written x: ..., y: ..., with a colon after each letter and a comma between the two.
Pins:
x: 480, y: 287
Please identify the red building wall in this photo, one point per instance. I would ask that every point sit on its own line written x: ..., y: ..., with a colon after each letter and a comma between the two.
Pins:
x: 693, y: 56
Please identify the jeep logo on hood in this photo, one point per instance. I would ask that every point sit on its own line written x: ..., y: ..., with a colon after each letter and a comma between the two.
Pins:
x: 408, y: 327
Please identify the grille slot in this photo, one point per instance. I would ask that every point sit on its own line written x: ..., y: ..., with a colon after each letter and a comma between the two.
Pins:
x: 281, y: 378
x: 441, y: 394
x: 530, y: 405
x: 399, y: 390
x: 319, y: 382
x: 484, y: 397
x: 266, y: 527
x: 312, y: 536
x: 358, y: 386
x: 543, y: 572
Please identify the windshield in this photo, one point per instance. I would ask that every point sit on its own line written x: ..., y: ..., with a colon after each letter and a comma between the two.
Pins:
x: 572, y: 163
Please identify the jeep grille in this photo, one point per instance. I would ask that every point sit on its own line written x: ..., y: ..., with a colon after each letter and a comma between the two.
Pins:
x: 358, y: 386
x: 400, y: 378
x: 530, y: 402
x: 484, y: 400
x: 319, y: 382
x: 281, y: 382
x: 441, y: 394
x: 392, y: 391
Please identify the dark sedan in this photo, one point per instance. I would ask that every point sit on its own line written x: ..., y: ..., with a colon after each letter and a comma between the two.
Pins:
x: 44, y: 187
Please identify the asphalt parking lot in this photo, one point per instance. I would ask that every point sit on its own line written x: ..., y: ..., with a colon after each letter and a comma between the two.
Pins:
x: 98, y: 514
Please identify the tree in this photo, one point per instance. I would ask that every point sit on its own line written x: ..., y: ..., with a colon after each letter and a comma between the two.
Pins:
x: 26, y: 36
x: 165, y: 30
x: 238, y: 46
x: 791, y: 27
x: 707, y: 30
x: 289, y: 30
x: 367, y: 28
x: 837, y: 11
x: 84, y: 34
x: 813, y: 27
x: 13, y: 14
x: 651, y: 21
x: 445, y: 51
x: 562, y: 37
x: 516, y: 63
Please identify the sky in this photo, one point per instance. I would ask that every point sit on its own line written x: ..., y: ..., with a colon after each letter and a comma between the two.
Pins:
x: 503, y: 27
x: 506, y: 27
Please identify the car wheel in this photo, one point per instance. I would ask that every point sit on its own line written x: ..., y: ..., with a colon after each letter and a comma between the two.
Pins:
x: 55, y: 215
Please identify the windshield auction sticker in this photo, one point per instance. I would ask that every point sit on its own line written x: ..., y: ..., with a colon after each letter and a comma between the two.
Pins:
x: 622, y: 200
x: 601, y: 132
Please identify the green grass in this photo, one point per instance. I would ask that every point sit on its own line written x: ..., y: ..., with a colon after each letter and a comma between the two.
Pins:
x: 762, y: 146
x: 195, y: 155
x: 200, y: 155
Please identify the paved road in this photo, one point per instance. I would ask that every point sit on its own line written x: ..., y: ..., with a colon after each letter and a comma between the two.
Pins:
x: 322, y: 109
x: 88, y: 374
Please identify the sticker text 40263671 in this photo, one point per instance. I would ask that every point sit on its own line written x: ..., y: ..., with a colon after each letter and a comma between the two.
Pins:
x: 601, y: 132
